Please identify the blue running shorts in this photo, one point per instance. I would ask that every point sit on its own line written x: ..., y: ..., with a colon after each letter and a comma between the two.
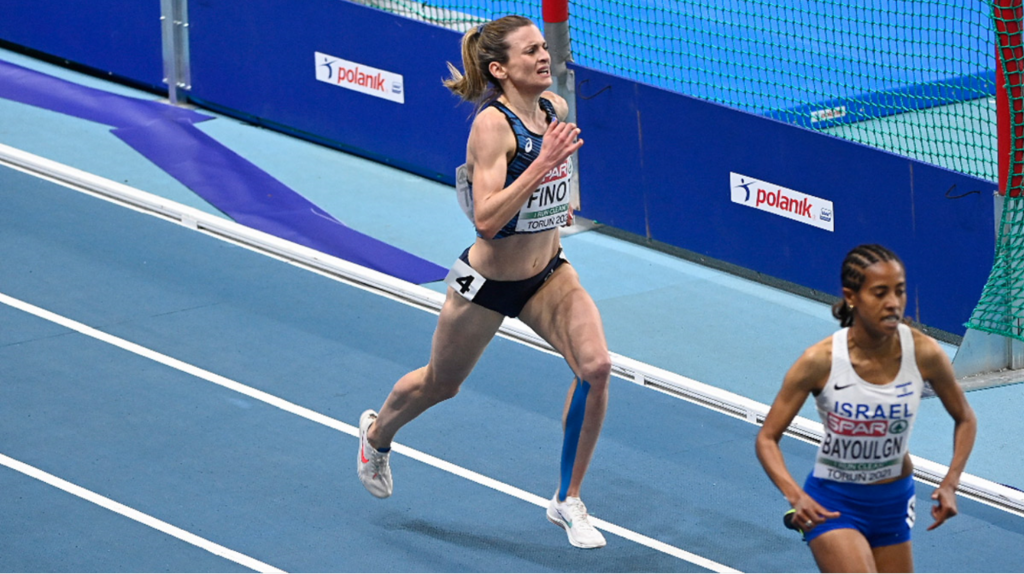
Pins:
x: 883, y: 513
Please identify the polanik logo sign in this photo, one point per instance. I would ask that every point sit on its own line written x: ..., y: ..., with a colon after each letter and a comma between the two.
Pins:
x: 781, y: 201
x: 360, y: 77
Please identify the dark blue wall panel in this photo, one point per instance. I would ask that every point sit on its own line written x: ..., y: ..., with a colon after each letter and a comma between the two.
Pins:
x: 256, y: 59
x: 657, y: 163
x: 114, y: 36
x: 612, y: 177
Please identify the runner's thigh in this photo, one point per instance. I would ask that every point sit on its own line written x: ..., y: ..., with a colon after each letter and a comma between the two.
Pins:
x: 463, y: 331
x: 565, y: 315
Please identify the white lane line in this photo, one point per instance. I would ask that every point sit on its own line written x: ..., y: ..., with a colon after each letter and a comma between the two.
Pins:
x: 347, y: 429
x: 137, y: 516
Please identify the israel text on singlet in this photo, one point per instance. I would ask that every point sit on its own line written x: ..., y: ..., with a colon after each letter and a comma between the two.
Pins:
x: 867, y: 426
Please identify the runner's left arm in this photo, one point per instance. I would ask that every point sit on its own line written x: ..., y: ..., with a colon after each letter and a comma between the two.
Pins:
x: 937, y: 370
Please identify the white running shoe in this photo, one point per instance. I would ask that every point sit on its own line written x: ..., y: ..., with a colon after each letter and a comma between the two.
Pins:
x: 373, y: 468
x: 572, y: 516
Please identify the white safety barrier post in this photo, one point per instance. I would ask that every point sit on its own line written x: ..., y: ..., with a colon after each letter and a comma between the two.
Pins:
x: 174, y: 34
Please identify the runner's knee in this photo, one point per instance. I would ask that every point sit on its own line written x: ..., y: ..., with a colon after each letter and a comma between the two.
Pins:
x: 438, y: 391
x: 440, y: 394
x: 596, y: 370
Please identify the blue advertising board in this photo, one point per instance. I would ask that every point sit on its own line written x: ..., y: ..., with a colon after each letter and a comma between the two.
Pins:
x: 339, y: 73
x: 109, y: 36
x: 778, y: 199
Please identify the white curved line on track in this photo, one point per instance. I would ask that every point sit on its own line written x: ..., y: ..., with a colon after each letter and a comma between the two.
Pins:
x: 335, y: 424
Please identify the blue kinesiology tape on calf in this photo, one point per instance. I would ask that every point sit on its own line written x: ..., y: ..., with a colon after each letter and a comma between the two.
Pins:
x: 573, y: 425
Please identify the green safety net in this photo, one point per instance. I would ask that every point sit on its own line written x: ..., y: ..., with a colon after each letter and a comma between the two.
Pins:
x: 1001, y: 307
x: 457, y: 15
x: 912, y: 77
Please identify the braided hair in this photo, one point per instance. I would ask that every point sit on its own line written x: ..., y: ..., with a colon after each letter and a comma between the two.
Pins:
x: 852, y: 275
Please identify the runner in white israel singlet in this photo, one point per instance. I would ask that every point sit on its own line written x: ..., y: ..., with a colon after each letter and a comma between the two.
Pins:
x: 867, y: 426
x: 857, y: 507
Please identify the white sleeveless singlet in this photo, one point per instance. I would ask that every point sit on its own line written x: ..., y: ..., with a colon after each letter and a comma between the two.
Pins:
x: 867, y: 426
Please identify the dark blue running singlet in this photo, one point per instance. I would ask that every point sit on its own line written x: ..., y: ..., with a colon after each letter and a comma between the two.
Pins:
x: 548, y: 207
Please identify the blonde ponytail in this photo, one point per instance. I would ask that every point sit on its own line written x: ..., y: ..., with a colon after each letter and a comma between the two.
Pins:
x: 480, y: 46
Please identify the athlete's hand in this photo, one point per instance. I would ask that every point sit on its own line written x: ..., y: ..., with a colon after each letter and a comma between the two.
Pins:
x: 945, y: 507
x: 809, y: 513
x: 561, y: 140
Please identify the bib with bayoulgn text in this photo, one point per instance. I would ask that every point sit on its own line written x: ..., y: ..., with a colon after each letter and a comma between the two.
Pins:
x: 867, y: 426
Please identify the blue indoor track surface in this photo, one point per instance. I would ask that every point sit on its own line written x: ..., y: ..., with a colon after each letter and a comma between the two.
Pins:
x: 213, y: 391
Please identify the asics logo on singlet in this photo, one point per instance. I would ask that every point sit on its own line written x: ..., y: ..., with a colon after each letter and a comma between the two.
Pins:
x: 529, y: 146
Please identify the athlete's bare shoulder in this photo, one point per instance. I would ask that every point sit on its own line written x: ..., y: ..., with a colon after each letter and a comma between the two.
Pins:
x: 490, y: 132
x: 811, y: 371
x: 820, y: 353
x: 932, y: 360
x: 561, y: 106
x: 489, y: 117
x: 492, y: 123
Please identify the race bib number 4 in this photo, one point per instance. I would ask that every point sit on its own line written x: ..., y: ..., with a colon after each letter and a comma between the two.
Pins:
x: 464, y: 279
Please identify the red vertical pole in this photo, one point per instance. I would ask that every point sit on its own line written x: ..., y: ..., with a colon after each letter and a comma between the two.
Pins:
x: 555, y: 11
x: 1009, y: 101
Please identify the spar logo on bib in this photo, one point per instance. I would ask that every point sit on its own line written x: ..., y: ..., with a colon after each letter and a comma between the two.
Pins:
x: 360, y: 78
x: 853, y: 427
x: 788, y: 203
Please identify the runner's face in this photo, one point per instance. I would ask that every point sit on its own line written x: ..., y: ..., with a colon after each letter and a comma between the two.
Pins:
x: 882, y: 298
x: 529, y: 63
